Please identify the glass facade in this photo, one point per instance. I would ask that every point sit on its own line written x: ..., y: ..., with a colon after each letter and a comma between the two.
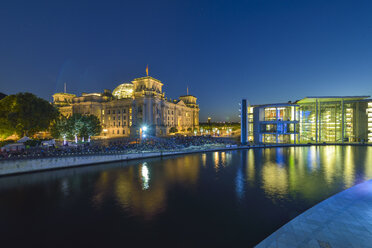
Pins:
x: 333, y: 120
x: 250, y: 124
x: 312, y: 120
x: 369, y: 126
x: 275, y: 123
x: 321, y: 122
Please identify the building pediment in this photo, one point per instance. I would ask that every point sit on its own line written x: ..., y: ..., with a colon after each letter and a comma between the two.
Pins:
x: 181, y: 103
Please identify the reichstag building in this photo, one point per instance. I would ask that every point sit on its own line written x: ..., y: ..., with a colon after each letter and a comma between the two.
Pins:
x: 131, y: 107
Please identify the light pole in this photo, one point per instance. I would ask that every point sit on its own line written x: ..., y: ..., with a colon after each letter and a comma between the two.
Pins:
x: 143, y: 131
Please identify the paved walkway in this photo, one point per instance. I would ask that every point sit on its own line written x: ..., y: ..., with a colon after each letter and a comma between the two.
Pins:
x: 343, y: 220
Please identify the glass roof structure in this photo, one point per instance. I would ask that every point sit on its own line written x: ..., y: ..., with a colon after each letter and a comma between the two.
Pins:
x: 123, y: 91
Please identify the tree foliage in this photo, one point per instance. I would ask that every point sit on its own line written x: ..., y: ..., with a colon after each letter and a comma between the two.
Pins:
x: 77, y: 125
x: 173, y: 130
x: 6, y: 129
x: 2, y: 95
x: 25, y: 114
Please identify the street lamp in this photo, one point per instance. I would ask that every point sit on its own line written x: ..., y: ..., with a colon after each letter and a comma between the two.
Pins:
x: 143, y: 130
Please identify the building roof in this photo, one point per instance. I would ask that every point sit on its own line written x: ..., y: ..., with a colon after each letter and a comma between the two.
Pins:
x: 311, y: 99
x: 286, y: 104
x: 63, y: 93
x: 147, y: 77
x: 187, y: 96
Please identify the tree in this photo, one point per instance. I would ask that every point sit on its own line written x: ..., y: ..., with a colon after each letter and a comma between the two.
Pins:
x: 173, y: 130
x: 2, y: 95
x: 60, y: 129
x: 91, y: 126
x: 76, y: 126
x: 27, y: 113
x: 6, y: 129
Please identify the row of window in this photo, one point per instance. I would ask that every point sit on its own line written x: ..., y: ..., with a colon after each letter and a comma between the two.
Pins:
x: 118, y: 131
x: 139, y: 110
x: 124, y: 124
x: 113, y: 118
x: 115, y: 111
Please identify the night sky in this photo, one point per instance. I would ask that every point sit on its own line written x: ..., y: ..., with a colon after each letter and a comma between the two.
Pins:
x: 265, y: 51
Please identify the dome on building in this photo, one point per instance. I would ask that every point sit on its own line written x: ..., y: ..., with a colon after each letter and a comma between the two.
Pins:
x: 123, y: 91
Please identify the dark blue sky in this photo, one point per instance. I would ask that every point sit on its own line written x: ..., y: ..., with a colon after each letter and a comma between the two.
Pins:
x: 266, y: 51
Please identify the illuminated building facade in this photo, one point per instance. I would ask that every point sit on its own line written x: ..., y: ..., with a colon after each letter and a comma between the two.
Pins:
x: 312, y: 120
x: 132, y: 106
x: 273, y: 123
x: 335, y: 119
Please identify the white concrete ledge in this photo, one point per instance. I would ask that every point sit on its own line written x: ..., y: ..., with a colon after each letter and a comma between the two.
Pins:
x: 341, y: 221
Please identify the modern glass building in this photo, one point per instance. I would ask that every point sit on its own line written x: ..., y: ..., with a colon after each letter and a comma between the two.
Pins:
x: 273, y: 123
x: 327, y: 119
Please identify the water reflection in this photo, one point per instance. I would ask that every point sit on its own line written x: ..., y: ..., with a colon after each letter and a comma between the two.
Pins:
x: 204, y: 159
x: 216, y: 160
x: 274, y: 180
x: 132, y: 197
x: 329, y: 162
x: 250, y: 164
x: 205, y: 192
x: 239, y: 179
x: 349, y: 175
x: 368, y: 163
x: 145, y: 176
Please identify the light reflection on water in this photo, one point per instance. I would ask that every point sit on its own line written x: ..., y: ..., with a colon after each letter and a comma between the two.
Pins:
x: 145, y: 176
x: 219, y: 194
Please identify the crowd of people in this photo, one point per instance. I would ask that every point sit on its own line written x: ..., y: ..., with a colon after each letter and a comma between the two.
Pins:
x: 153, y: 144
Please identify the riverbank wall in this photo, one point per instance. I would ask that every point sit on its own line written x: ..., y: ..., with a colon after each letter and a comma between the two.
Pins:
x: 19, y: 166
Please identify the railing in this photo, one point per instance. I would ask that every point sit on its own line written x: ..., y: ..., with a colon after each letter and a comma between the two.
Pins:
x: 103, y: 153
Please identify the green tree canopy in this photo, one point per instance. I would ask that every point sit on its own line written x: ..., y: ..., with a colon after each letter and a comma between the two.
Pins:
x: 60, y: 128
x: 26, y: 114
x: 93, y: 125
x: 6, y: 129
x: 75, y: 126
x: 2, y: 95
x: 173, y: 130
